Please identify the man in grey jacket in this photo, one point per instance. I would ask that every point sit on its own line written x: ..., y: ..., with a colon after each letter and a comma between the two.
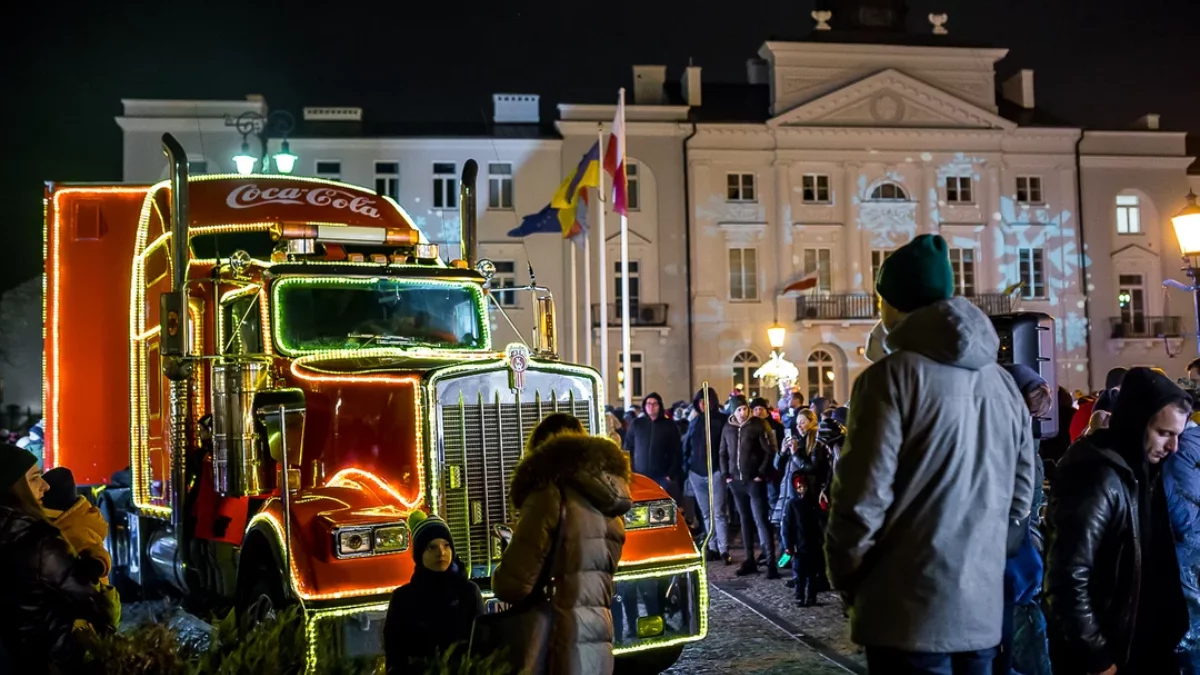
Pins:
x: 938, y: 462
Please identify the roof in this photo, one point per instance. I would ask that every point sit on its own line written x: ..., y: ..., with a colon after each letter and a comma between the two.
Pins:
x: 446, y: 129
x: 1029, y: 117
x: 879, y: 37
x: 1193, y: 149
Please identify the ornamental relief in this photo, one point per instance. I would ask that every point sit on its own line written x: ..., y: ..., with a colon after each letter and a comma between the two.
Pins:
x: 888, y: 225
x: 745, y: 212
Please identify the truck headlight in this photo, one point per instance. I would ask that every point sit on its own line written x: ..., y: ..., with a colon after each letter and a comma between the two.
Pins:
x: 647, y: 515
x: 357, y: 542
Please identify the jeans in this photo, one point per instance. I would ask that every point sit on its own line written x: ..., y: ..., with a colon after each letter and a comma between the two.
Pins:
x: 885, y: 661
x: 719, y: 542
x: 1030, y: 650
x: 755, y: 516
x: 808, y: 581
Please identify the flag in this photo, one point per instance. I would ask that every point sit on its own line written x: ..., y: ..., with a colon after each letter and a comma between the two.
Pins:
x: 614, y: 160
x: 804, y: 283
x: 542, y: 222
x: 587, y: 174
x: 578, y: 231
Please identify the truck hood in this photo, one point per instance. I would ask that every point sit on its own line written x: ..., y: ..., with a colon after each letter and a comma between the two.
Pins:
x: 388, y: 362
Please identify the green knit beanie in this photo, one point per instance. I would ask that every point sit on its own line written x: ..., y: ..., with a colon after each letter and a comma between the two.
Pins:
x: 916, y: 274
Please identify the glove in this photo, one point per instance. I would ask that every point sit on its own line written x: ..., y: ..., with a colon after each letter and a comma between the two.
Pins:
x: 89, y: 567
x: 113, y: 600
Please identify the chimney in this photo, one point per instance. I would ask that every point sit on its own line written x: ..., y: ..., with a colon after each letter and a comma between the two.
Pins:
x: 690, y: 84
x: 756, y: 71
x: 648, y: 84
x: 1147, y: 122
x: 1019, y: 88
x: 515, y: 108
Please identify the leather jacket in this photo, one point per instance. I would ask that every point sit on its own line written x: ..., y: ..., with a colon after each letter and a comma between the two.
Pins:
x: 48, y: 591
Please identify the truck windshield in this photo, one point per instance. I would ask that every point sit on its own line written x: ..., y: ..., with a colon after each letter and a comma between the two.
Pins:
x: 314, y: 313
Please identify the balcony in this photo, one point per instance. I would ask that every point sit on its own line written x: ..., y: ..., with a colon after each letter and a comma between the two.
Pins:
x: 643, y: 314
x: 860, y: 306
x: 1140, y: 327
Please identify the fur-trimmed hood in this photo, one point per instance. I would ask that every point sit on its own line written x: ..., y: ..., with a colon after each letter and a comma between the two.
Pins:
x: 593, y: 465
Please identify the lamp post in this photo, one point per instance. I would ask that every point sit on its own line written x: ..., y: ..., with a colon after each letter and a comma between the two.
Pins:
x: 275, y: 123
x: 1187, y: 232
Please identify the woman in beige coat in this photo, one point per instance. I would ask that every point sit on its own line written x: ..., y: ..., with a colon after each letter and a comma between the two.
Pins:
x: 592, y: 475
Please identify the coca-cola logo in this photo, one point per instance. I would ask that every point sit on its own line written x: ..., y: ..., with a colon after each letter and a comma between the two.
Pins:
x: 250, y: 195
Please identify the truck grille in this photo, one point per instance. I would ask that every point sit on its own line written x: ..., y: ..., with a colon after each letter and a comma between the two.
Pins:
x: 482, y: 441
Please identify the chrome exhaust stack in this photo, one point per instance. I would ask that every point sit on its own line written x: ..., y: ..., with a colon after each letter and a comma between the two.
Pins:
x: 468, y: 220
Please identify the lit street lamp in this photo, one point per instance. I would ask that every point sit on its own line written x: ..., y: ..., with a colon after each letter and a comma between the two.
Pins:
x: 776, y: 334
x: 1187, y: 232
x: 778, y: 371
x: 276, y: 123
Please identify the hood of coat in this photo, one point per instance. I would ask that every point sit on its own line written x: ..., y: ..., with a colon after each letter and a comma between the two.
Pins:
x: 81, y: 514
x: 954, y: 332
x: 1099, y: 448
x: 1143, y: 393
x: 594, y: 466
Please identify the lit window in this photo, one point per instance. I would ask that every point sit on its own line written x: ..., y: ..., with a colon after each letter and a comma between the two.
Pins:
x: 958, y: 190
x: 889, y: 192
x: 877, y: 257
x: 633, y: 193
x: 962, y: 260
x: 636, y: 364
x: 1029, y: 189
x: 821, y: 375
x: 819, y: 260
x: 815, y: 188
x: 1129, y: 215
x: 1031, y: 263
x: 1131, y: 298
x: 445, y: 185
x: 506, y: 277
x: 743, y: 274
x: 387, y: 179
x: 329, y: 169
x: 744, y: 381
x: 500, y: 185
x: 739, y: 187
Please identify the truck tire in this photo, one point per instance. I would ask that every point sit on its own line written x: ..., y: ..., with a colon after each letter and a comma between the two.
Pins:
x: 260, y: 584
x: 649, y: 662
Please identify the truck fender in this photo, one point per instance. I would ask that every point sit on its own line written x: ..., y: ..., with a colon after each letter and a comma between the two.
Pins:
x: 262, y: 549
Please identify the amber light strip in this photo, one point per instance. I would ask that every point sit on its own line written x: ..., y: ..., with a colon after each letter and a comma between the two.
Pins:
x: 354, y: 477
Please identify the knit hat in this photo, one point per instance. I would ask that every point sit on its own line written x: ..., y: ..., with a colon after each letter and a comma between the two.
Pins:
x: 916, y: 274
x: 840, y: 415
x: 1106, y: 402
x: 1114, y: 378
x: 1027, y: 378
x: 423, y: 529
x: 14, y: 462
x: 759, y: 402
x: 736, y: 402
x: 62, y: 494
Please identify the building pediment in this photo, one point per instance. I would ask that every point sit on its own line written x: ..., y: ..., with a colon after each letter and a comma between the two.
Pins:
x: 891, y: 98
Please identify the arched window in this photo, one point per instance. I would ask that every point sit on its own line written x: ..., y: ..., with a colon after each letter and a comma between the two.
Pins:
x: 889, y: 192
x: 821, y: 375
x: 744, y: 381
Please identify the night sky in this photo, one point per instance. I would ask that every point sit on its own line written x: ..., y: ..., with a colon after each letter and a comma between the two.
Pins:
x: 67, y: 70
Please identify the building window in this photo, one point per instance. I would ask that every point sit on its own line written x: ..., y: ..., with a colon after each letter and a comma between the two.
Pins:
x: 1032, y: 271
x: 329, y: 169
x: 821, y: 377
x: 819, y: 260
x: 500, y: 185
x: 889, y: 192
x: 505, y: 277
x: 1131, y: 297
x: 743, y: 274
x: 739, y: 187
x: 1129, y: 215
x: 387, y: 179
x: 198, y: 167
x: 958, y: 190
x: 445, y: 185
x: 1029, y: 189
x: 635, y: 286
x: 633, y: 195
x: 744, y: 382
x: 962, y: 260
x: 877, y: 257
x: 816, y: 188
x: 636, y: 373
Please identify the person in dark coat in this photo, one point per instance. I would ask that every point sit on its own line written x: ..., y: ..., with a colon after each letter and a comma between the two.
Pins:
x: 437, y: 608
x: 52, y: 600
x: 1181, y: 481
x: 697, y: 444
x: 747, y: 457
x: 655, y: 447
x: 592, y: 475
x: 802, y: 537
x: 1112, y: 578
x: 795, y: 403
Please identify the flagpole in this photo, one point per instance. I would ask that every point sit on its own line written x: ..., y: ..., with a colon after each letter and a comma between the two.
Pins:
x: 603, y: 239
x: 587, y: 295
x: 626, y: 359
x: 574, y: 306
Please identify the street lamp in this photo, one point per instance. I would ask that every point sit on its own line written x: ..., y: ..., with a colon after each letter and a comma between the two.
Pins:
x: 776, y: 334
x: 276, y: 123
x: 1187, y: 232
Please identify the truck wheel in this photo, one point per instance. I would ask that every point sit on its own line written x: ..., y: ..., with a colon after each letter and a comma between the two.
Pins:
x: 648, y: 663
x: 260, y: 588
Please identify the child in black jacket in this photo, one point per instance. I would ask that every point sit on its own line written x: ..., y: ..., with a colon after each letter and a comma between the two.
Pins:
x: 437, y: 608
x: 802, y: 536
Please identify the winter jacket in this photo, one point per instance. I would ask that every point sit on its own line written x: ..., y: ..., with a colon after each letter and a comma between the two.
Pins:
x: 85, y: 530
x: 427, y: 615
x: 593, y: 475
x: 814, y: 466
x: 937, y: 461
x: 47, y: 594
x: 802, y: 532
x: 1181, y: 483
x: 695, y: 442
x: 655, y: 448
x: 747, y: 451
x: 1112, y: 581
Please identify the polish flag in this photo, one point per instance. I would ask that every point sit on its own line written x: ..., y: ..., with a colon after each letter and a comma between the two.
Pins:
x: 614, y: 159
x: 804, y: 283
